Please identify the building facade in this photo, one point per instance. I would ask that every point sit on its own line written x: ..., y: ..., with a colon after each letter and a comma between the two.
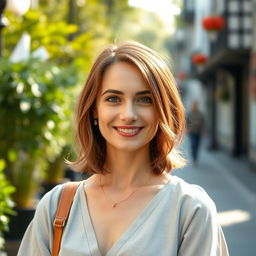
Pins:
x: 227, y: 76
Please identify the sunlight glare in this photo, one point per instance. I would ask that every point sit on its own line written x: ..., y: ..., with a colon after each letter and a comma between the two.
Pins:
x: 229, y: 218
x: 163, y: 8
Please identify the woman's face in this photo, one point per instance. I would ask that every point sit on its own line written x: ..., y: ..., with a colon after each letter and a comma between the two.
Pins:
x: 126, y: 115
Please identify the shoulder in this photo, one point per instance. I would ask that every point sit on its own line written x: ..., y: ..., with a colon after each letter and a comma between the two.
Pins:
x: 52, y: 195
x: 47, y: 206
x: 190, y: 196
x: 48, y: 203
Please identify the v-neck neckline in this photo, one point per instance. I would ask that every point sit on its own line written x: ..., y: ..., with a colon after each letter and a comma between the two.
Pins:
x: 136, y: 223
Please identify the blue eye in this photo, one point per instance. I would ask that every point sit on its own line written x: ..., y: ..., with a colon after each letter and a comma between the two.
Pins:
x: 113, y: 99
x: 145, y: 100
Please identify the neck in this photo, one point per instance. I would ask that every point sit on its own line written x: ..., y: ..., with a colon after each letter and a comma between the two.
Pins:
x: 127, y: 169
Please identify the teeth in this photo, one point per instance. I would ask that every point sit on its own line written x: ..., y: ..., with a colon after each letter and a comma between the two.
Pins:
x: 128, y: 130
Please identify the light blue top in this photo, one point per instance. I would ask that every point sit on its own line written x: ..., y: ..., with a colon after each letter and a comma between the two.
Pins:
x: 179, y: 220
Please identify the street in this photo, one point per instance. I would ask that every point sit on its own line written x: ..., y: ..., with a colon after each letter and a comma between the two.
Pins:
x: 229, y: 182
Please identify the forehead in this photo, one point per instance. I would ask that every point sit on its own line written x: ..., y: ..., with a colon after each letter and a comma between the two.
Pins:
x: 124, y: 77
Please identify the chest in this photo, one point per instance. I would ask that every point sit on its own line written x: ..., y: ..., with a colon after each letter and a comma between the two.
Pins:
x: 111, y: 223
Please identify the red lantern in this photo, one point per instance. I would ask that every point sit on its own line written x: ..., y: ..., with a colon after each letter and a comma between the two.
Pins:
x: 213, y: 23
x: 199, y: 59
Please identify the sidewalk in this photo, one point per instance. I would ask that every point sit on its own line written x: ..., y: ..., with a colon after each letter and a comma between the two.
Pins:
x: 232, y: 186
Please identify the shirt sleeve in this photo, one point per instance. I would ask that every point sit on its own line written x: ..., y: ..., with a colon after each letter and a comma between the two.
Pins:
x: 38, y: 238
x: 201, y: 233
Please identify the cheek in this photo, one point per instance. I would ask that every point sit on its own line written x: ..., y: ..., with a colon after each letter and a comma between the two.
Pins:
x: 151, y: 117
x: 105, y: 115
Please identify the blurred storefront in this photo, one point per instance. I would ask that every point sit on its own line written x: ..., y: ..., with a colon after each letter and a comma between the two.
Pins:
x: 222, y: 56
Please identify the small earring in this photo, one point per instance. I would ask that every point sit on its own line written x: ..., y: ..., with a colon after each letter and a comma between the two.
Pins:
x: 95, y: 121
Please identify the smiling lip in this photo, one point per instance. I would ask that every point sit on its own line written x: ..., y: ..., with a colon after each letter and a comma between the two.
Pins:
x: 128, y: 131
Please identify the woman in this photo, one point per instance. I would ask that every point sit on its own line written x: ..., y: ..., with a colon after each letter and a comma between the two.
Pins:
x: 129, y: 120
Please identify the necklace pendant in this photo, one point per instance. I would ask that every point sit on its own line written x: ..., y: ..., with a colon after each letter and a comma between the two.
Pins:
x: 114, y: 205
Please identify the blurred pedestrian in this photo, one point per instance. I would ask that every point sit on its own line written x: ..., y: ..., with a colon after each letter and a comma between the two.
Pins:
x: 130, y: 119
x: 195, y: 127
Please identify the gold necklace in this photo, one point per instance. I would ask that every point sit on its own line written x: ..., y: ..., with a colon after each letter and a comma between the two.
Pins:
x: 114, y: 204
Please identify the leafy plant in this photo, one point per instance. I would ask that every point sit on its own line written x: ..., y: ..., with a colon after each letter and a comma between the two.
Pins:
x: 54, y: 36
x: 95, y: 23
x: 35, y: 112
x: 6, y: 203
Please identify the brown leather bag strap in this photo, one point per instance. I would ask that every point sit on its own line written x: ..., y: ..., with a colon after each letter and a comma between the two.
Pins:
x: 62, y: 212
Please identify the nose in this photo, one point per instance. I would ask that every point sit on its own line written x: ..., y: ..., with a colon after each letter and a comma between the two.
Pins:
x: 128, y: 112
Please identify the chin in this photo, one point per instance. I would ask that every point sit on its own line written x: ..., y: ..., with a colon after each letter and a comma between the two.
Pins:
x: 126, y: 147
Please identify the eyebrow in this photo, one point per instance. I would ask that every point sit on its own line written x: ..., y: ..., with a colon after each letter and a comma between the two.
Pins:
x: 121, y: 93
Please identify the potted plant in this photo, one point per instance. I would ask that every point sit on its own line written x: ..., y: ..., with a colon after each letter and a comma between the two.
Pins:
x: 33, y: 96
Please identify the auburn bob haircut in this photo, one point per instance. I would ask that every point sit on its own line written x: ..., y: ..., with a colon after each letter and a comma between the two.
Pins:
x: 166, y: 98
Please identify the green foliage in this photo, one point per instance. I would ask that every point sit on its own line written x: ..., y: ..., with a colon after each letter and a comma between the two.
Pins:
x: 102, y: 19
x: 53, y: 36
x: 35, y: 112
x: 55, y: 10
x: 6, y: 203
x: 95, y: 23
